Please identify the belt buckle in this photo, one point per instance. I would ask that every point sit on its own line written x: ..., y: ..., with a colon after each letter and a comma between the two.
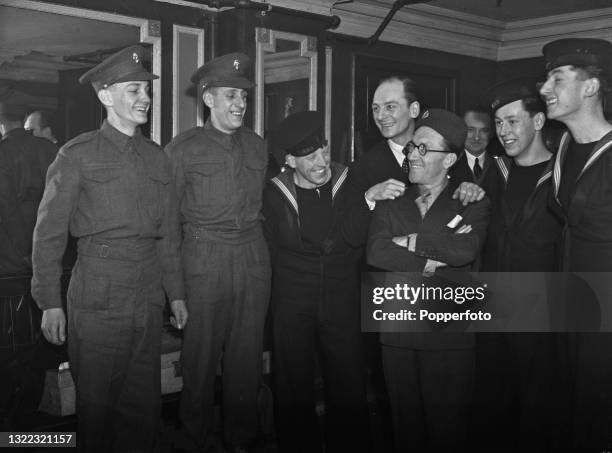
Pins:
x: 103, y: 251
x: 196, y: 234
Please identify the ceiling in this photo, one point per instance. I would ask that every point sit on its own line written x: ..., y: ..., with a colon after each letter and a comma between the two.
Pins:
x: 508, y: 10
x: 34, y: 46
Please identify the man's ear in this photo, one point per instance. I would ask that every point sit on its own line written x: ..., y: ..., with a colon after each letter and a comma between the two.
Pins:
x: 208, y: 98
x: 449, y: 160
x: 538, y: 121
x: 290, y: 159
x: 105, y: 97
x: 592, y: 86
x: 415, y: 109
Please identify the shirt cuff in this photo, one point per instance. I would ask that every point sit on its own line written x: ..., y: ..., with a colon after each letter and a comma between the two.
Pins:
x: 371, y: 204
x: 412, y: 242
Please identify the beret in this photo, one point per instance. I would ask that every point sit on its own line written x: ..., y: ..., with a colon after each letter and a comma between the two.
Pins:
x: 123, y: 66
x: 301, y: 133
x: 513, y: 90
x: 447, y: 124
x: 225, y: 71
x: 577, y: 51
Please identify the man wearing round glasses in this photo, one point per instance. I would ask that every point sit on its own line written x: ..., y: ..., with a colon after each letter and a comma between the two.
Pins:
x: 428, y: 232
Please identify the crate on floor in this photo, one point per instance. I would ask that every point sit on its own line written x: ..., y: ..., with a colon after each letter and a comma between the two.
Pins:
x: 59, y: 395
x: 171, y: 373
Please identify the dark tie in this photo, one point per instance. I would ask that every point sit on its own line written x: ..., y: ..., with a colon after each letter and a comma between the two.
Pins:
x: 477, y: 169
x: 405, y: 166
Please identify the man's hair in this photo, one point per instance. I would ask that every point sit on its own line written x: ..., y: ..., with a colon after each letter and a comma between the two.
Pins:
x: 479, y: 109
x: 598, y: 72
x: 46, y: 119
x: 211, y: 90
x: 533, y: 105
x: 410, y: 89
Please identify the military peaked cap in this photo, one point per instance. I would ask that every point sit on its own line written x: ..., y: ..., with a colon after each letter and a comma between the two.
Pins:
x: 123, y: 66
x: 226, y: 71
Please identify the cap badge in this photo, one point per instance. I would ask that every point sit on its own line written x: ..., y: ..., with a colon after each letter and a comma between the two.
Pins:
x: 425, y: 114
x: 135, y: 58
x: 236, y: 64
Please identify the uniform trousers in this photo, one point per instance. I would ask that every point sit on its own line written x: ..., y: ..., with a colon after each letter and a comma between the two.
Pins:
x: 115, y: 308
x: 228, y: 290
x: 430, y: 393
x: 312, y: 320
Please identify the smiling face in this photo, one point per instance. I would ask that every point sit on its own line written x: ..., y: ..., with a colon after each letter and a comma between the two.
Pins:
x: 430, y: 169
x: 564, y: 93
x: 478, y: 132
x: 312, y: 170
x: 227, y: 107
x: 516, y: 129
x: 392, y: 114
x: 127, y: 104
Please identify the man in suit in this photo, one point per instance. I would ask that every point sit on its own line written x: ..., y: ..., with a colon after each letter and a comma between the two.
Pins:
x: 577, y: 81
x: 429, y: 376
x: 382, y: 172
x: 474, y: 164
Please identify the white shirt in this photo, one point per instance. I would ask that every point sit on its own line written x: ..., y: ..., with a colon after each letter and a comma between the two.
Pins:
x: 471, y: 159
x: 398, y: 151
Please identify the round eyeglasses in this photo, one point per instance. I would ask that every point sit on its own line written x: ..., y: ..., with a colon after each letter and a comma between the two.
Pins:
x: 422, y: 149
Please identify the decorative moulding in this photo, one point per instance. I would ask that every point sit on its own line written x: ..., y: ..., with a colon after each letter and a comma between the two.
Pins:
x: 436, y: 28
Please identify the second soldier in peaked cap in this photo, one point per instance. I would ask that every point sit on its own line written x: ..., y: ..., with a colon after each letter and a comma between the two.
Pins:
x: 220, y: 171
x: 111, y: 188
x: 226, y: 71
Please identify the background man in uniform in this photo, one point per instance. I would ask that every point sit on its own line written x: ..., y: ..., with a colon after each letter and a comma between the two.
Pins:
x: 316, y: 224
x: 112, y: 189
x: 577, y: 82
x: 220, y: 175
x: 24, y: 160
x: 429, y: 375
x: 42, y: 124
x: 473, y: 165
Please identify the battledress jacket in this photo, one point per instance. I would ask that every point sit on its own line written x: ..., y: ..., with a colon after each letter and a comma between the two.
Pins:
x: 95, y: 191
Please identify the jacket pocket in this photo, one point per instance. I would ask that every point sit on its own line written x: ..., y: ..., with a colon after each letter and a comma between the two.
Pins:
x: 157, y: 194
x: 209, y: 181
x: 101, y: 189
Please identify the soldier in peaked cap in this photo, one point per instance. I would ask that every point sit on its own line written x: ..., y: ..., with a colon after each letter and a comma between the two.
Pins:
x: 220, y: 174
x: 316, y: 226
x: 24, y: 160
x: 578, y: 79
x: 429, y: 373
x: 112, y: 189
